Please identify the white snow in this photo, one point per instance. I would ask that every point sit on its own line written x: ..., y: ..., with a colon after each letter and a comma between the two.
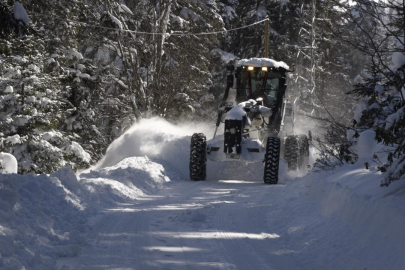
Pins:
x: 188, y: 14
x: 398, y: 60
x: 261, y: 12
x: 177, y: 19
x: 237, y: 112
x: 366, y: 145
x: 182, y: 97
x: 8, y: 163
x: 14, y: 139
x: 103, y: 55
x: 121, y: 83
x: 45, y: 101
x: 261, y: 62
x: 20, y: 13
x: 81, y: 67
x: 207, y: 98
x: 77, y: 150
x: 83, y: 75
x: 126, y: 9
x: 361, y: 106
x: 50, y: 61
x: 161, y: 141
x: 230, y: 12
x: 73, y: 53
x: 31, y: 99
x: 34, y: 68
x: 391, y: 119
x: 116, y: 21
x: 52, y: 136
x: 9, y: 89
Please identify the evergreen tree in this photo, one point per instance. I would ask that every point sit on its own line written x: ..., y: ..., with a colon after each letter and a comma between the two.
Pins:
x: 381, y: 107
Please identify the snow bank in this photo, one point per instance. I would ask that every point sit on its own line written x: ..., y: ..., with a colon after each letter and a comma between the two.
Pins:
x: 8, y: 163
x: 261, y: 62
x: 129, y: 179
x: 45, y: 218
x: 352, y: 196
x: 38, y: 216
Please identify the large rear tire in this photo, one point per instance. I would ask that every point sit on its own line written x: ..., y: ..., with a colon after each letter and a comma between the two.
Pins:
x: 297, y: 152
x: 303, y: 158
x: 198, y: 157
x: 291, y: 152
x: 271, y: 159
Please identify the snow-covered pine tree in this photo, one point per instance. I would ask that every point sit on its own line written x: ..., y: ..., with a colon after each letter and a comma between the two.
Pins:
x: 44, y: 82
x: 381, y: 89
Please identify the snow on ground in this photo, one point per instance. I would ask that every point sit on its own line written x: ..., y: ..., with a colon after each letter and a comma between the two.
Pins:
x: 137, y: 210
x: 371, y: 218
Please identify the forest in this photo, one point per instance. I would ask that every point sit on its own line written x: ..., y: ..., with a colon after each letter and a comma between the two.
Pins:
x: 75, y: 75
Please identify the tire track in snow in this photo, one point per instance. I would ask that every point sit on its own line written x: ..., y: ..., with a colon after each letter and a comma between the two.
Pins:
x: 244, y: 255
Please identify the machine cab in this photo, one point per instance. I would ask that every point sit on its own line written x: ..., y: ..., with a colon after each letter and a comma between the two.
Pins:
x: 261, y: 77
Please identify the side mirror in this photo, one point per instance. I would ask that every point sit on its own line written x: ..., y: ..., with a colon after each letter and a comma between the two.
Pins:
x: 229, y: 81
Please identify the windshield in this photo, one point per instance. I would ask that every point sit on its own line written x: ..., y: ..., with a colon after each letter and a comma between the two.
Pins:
x: 253, y: 85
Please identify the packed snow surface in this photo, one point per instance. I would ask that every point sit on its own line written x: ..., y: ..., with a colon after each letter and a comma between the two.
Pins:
x: 137, y: 209
x: 261, y: 62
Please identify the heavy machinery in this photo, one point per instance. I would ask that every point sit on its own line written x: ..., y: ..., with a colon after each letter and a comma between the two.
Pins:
x: 258, y: 122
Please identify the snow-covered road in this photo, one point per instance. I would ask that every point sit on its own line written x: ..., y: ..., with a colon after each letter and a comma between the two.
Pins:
x: 222, y: 224
x: 200, y: 225
x: 320, y: 221
x: 138, y: 210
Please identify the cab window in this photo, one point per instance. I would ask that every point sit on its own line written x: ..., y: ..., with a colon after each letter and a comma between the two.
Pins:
x: 271, y: 88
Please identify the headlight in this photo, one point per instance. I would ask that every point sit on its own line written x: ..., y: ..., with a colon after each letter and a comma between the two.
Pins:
x: 232, y: 130
x: 264, y: 68
x: 251, y: 68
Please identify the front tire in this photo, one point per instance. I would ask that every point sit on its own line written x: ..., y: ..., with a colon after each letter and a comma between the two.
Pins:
x: 271, y: 159
x: 198, y: 157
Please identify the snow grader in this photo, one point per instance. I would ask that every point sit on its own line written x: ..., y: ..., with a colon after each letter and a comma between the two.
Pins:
x: 258, y: 122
